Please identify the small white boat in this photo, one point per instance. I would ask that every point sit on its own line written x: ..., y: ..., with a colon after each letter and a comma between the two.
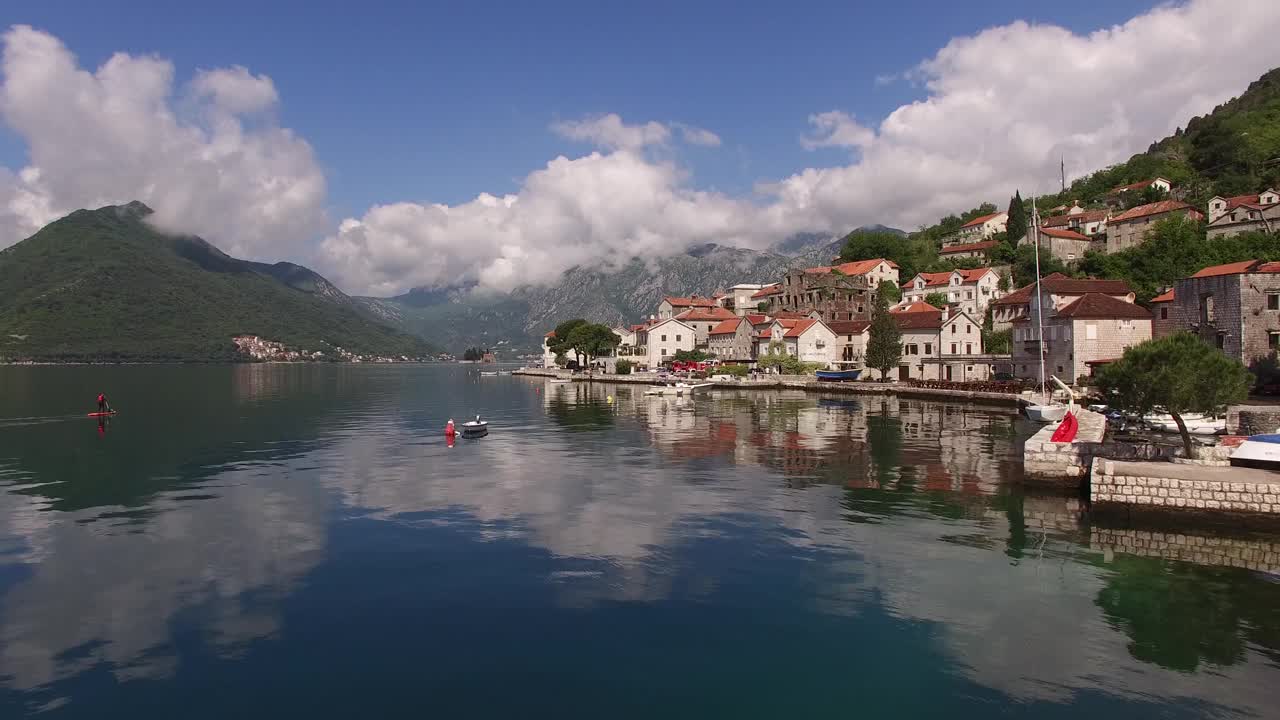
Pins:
x: 488, y: 374
x: 1049, y: 413
x: 678, y: 389
x: 560, y: 381
x: 1258, y: 451
x: 1196, y: 423
x: 475, y: 428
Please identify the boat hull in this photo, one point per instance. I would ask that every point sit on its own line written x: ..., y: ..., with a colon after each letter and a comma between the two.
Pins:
x: 838, y: 375
x: 1045, y: 413
x: 1258, y: 451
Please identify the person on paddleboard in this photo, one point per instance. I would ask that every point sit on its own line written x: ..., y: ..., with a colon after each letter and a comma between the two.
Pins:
x: 103, y: 405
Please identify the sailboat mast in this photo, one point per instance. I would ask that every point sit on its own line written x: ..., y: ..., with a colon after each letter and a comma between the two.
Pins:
x: 1035, y: 241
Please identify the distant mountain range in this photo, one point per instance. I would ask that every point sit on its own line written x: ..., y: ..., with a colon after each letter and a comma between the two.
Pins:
x: 464, y: 317
x: 104, y: 285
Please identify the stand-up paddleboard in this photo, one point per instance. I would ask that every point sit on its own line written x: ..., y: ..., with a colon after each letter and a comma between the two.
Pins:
x: 101, y: 414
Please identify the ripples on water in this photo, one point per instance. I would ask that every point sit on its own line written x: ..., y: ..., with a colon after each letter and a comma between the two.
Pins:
x: 274, y: 541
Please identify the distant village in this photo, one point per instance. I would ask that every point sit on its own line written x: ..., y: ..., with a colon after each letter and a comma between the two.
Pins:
x: 822, y: 315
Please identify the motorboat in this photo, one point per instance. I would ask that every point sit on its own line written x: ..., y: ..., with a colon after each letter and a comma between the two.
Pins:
x: 1258, y: 451
x: 1045, y: 412
x: 678, y: 389
x: 475, y: 428
x: 1196, y: 423
x: 488, y: 374
x: 838, y: 375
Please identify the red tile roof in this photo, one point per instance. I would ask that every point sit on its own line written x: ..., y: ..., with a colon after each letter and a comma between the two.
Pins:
x: 1064, y: 234
x: 1087, y: 216
x: 979, y: 220
x: 1097, y: 305
x: 970, y: 247
x: 857, y: 267
x: 1234, y: 268
x: 944, y: 278
x: 727, y: 327
x: 638, y: 328
x: 1163, y: 297
x: 800, y: 328
x: 757, y: 318
x: 934, y: 279
x: 1060, y: 284
x: 550, y: 334
x: 918, y: 320
x: 1238, y: 200
x: 1155, y: 208
x: 918, y: 306
x: 693, y: 301
x: 767, y: 290
x: 711, y: 313
x: 849, y: 327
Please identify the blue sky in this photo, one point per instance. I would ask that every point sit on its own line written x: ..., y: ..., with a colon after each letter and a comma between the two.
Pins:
x: 440, y: 101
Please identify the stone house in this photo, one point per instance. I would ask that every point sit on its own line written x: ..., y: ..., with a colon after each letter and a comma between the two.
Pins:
x: 1234, y: 307
x: 665, y: 338
x: 739, y: 299
x: 1129, y: 228
x: 764, y: 295
x: 1067, y: 245
x: 703, y: 320
x: 840, y: 292
x: 977, y: 229
x: 732, y: 341
x: 1060, y: 290
x: 981, y: 249
x: 1244, y: 213
x: 851, y: 343
x: 971, y: 290
x: 940, y: 344
x: 1117, y: 195
x: 1162, y: 322
x: 810, y: 340
x: 1089, y: 330
x: 671, y: 306
x: 1090, y: 223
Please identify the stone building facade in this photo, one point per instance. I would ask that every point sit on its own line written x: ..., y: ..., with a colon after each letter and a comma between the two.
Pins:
x: 1162, y: 322
x: 1233, y: 307
x: 1129, y: 228
x: 1092, y: 328
x: 1230, y: 216
x: 1067, y: 245
x: 839, y: 292
x: 732, y: 340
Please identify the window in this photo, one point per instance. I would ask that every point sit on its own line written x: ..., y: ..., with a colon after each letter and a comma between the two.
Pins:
x: 1164, y: 313
x: 1024, y: 368
x: 968, y: 294
x: 911, y: 349
x: 677, y: 338
x: 968, y: 329
x: 1273, y: 340
x: 664, y: 339
x: 928, y: 348
x: 663, y: 352
x: 953, y: 329
x: 968, y: 368
x: 1221, y: 340
x: 1206, y: 309
x: 968, y: 349
x: 1059, y: 369
x: 1090, y: 332
x: 1273, y: 301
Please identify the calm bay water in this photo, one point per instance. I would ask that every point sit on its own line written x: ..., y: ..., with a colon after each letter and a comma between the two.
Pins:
x: 300, y: 541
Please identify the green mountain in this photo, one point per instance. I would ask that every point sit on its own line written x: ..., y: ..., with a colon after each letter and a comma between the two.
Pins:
x: 104, y: 285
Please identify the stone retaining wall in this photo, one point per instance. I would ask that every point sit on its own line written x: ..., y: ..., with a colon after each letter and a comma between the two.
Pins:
x: 1070, y: 463
x: 1113, y: 483
x: 1258, y: 555
x: 1252, y: 419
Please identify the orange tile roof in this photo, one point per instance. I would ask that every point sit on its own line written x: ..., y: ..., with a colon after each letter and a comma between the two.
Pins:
x: 972, y: 275
x: 1087, y: 216
x: 1060, y: 284
x: 979, y: 220
x: 550, y: 334
x: 1155, y: 208
x: 849, y: 327
x: 1238, y: 200
x: 712, y: 313
x: 638, y: 328
x: 934, y: 279
x: 857, y: 267
x: 970, y: 247
x: 758, y: 318
x: 918, y: 320
x: 918, y: 306
x: 693, y: 301
x: 1064, y: 234
x: 1234, y: 268
x: 767, y: 290
x: 1163, y: 297
x: 800, y: 327
x: 1140, y: 185
x: 1097, y: 305
x: 727, y: 327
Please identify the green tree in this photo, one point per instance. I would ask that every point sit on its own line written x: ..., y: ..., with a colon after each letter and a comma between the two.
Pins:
x: 776, y: 356
x: 996, y: 342
x: 592, y: 340
x: 623, y: 367
x: 1177, y: 374
x: 560, y: 344
x: 937, y: 299
x: 1024, y: 265
x: 884, y: 348
x: 1017, y: 224
x: 890, y: 291
x: 694, y: 355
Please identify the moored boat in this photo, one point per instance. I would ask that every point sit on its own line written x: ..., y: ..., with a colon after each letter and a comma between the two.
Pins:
x: 1045, y: 413
x: 475, y: 428
x: 838, y: 375
x: 1258, y: 451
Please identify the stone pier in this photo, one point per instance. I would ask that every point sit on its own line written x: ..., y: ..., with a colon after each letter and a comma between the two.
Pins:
x: 1262, y: 555
x: 1184, y: 488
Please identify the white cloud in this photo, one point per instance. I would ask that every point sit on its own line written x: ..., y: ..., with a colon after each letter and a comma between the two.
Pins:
x: 697, y: 136
x: 115, y: 135
x: 611, y: 133
x: 837, y: 129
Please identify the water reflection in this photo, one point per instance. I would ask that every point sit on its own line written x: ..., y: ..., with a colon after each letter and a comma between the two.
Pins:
x: 885, y: 525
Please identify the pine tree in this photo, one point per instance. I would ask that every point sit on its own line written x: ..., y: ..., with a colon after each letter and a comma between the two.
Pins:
x: 1017, y: 225
x: 884, y: 348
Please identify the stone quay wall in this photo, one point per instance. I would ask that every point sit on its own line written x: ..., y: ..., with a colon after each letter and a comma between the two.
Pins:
x: 1252, y: 419
x: 1069, y: 463
x: 1260, y: 555
x: 1179, y: 487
